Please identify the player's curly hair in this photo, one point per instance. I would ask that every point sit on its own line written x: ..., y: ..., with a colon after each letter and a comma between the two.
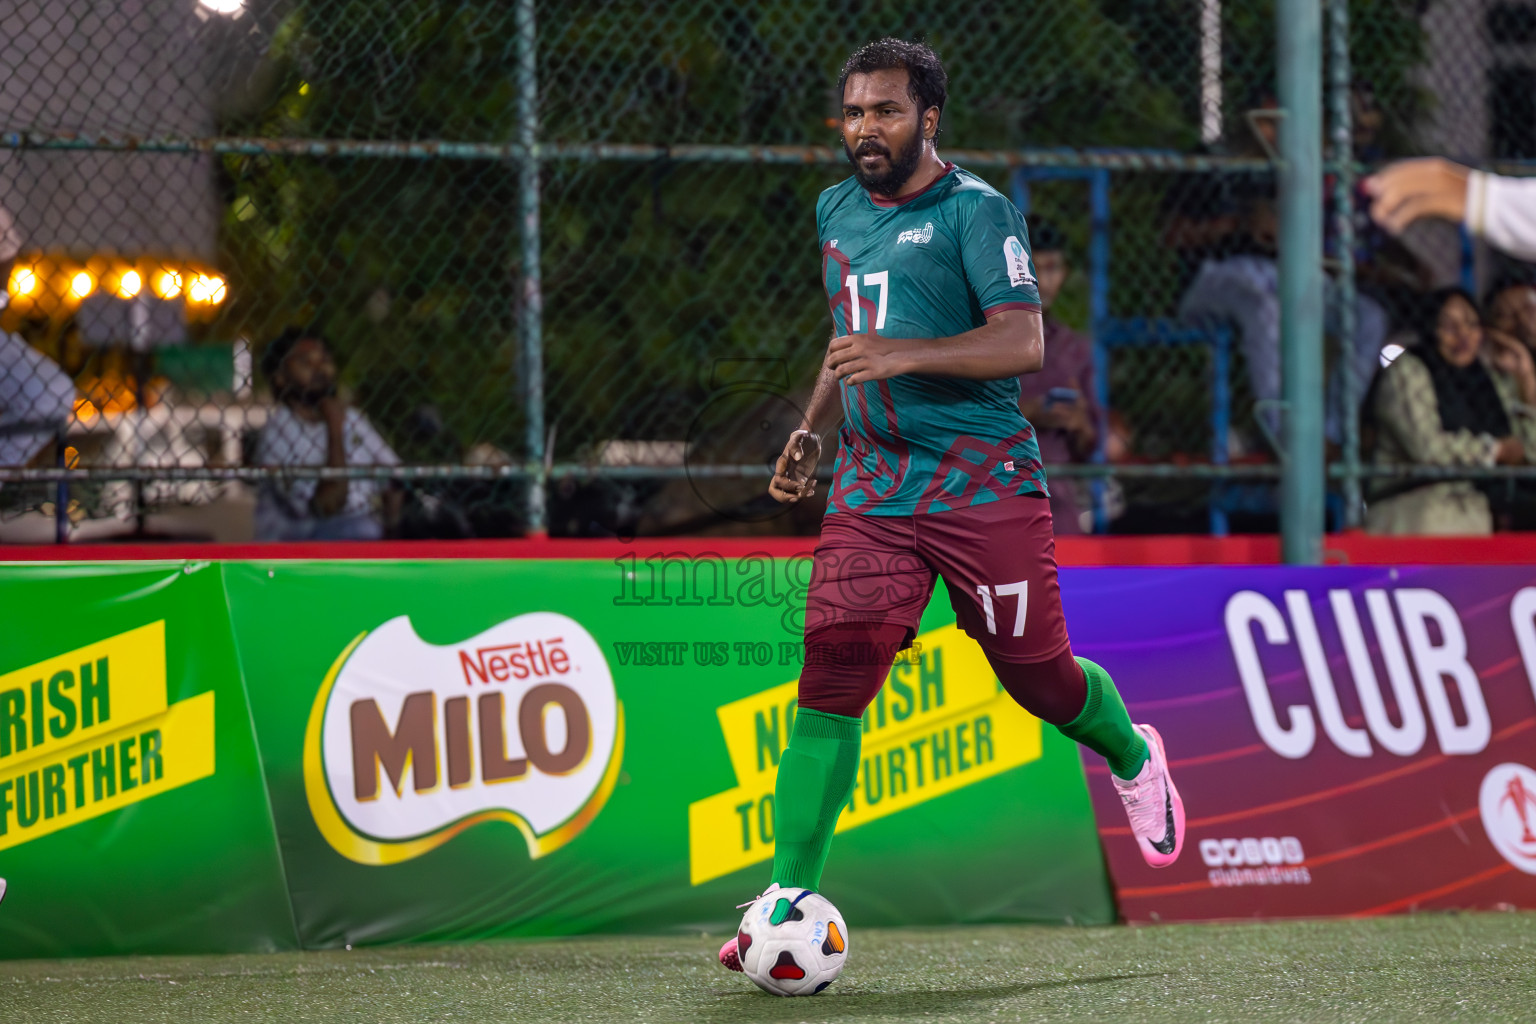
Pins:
x: 927, y: 82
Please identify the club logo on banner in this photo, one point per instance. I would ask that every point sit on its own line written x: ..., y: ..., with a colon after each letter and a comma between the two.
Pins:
x: 410, y: 743
x: 89, y: 732
x: 941, y: 722
x: 1507, y: 801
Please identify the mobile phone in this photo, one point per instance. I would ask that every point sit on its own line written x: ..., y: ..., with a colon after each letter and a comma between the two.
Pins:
x: 1061, y: 396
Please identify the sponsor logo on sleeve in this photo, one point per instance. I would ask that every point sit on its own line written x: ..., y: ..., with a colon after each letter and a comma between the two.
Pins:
x: 1017, y: 262
x: 1507, y: 801
x: 410, y: 743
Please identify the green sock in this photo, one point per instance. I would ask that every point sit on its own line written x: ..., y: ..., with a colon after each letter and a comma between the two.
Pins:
x: 815, y: 778
x: 1104, y: 727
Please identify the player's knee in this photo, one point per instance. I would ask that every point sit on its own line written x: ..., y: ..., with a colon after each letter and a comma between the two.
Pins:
x: 849, y: 704
x: 1053, y: 690
x: 838, y: 688
x: 845, y: 666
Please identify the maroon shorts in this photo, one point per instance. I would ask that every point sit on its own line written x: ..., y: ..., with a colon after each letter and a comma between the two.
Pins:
x: 998, y: 561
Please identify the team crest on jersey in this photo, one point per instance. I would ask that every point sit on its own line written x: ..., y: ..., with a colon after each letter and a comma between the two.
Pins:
x: 1017, y: 262
x: 917, y: 236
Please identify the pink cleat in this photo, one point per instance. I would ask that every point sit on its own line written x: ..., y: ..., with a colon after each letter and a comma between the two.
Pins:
x: 1153, y: 805
x: 730, y: 953
x: 729, y: 958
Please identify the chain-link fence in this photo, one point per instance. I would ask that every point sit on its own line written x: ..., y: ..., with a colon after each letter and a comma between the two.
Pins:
x: 561, y: 256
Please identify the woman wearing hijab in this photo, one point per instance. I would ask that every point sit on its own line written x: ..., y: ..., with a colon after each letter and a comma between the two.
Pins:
x: 1449, y: 402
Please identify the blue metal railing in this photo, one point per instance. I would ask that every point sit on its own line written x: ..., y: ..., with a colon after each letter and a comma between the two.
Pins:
x: 1109, y: 333
x: 1147, y: 333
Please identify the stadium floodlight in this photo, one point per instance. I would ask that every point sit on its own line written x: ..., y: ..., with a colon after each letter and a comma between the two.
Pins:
x: 128, y: 284
x: 168, y: 284
x: 207, y: 288
x: 229, y: 7
x: 24, y: 282
x: 82, y: 284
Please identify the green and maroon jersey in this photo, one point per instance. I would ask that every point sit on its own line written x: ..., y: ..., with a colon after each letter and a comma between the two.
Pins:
x: 932, y: 264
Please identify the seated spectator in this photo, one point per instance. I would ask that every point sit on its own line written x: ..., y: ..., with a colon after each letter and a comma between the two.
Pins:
x: 37, y: 398
x: 1059, y: 401
x: 1238, y: 283
x: 1447, y: 402
x: 1511, y: 308
x: 312, y: 426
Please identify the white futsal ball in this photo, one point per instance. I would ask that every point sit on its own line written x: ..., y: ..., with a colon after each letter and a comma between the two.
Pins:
x: 801, y: 955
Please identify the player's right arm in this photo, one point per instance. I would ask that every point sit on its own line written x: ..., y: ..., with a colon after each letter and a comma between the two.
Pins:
x: 824, y: 398
x: 794, y: 474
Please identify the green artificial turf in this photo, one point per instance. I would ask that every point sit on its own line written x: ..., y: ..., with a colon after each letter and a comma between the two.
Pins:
x: 1473, y: 967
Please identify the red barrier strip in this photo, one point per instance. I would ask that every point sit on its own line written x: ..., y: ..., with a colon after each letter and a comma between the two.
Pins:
x: 416, y: 550
x: 1255, y: 549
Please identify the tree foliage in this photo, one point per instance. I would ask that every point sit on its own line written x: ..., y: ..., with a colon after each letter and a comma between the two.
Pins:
x: 654, y: 272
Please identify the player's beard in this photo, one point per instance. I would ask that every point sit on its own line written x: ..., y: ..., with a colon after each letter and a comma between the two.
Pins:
x: 900, y: 165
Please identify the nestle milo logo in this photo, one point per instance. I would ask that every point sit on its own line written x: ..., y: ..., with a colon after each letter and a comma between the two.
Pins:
x: 515, y: 661
x: 409, y: 742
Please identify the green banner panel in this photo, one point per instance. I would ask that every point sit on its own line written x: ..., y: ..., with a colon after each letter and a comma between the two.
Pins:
x: 133, y: 812
x: 460, y: 750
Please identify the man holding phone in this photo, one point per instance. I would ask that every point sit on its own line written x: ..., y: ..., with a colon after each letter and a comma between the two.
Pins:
x: 1060, y: 400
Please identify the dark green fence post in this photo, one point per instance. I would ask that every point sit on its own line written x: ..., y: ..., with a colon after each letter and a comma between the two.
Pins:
x: 1299, y: 32
x: 531, y: 317
x: 1341, y: 134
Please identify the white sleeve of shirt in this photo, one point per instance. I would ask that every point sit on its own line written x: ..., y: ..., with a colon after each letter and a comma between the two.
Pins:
x: 1503, y: 212
x: 370, y: 448
x: 282, y: 442
x: 279, y: 444
x: 32, y: 387
x: 266, y: 443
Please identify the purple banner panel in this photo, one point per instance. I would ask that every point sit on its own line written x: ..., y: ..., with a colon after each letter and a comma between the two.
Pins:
x: 1351, y: 741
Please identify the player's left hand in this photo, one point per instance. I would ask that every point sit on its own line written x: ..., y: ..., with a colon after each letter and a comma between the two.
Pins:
x: 857, y: 358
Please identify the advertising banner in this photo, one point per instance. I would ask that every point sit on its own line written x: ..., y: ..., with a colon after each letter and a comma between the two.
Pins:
x: 467, y: 749
x: 1346, y: 740
x: 133, y: 813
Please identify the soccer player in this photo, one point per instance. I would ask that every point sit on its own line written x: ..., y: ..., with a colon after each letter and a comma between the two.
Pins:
x: 936, y: 314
